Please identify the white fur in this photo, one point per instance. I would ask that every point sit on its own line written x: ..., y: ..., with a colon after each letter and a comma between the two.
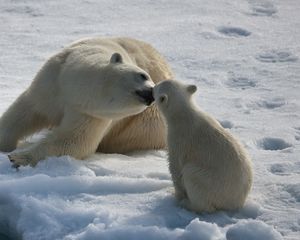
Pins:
x: 209, y: 167
x: 86, y: 93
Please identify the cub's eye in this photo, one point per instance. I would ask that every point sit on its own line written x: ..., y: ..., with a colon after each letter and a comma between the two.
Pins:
x: 144, y: 77
x: 163, y: 98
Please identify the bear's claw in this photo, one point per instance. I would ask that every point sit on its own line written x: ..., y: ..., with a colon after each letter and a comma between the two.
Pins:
x: 20, y: 158
x: 10, y: 158
x: 13, y: 162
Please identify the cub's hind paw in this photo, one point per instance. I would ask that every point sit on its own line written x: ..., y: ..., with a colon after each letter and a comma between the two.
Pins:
x: 198, y: 207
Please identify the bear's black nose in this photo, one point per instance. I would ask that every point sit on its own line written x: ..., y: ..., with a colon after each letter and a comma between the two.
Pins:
x: 146, y: 95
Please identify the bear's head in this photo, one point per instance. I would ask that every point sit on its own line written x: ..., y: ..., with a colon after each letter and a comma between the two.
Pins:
x: 173, y: 98
x: 112, y: 90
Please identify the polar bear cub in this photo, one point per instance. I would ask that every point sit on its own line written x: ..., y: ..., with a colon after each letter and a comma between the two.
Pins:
x: 210, y: 169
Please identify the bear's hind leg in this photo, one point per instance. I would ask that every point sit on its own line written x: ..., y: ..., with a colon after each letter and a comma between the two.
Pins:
x: 140, y: 132
x: 199, y: 188
x: 19, y: 121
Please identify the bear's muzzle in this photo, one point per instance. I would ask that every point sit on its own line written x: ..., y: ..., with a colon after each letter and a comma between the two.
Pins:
x: 146, y: 95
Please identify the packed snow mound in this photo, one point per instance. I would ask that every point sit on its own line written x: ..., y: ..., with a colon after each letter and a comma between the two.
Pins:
x: 248, y: 230
x: 106, y: 197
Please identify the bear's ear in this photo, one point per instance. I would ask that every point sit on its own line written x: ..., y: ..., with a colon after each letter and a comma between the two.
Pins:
x: 163, y: 98
x: 116, y: 58
x: 191, y: 89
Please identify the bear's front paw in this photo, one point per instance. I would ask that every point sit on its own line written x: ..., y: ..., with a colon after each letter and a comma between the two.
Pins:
x: 21, y: 158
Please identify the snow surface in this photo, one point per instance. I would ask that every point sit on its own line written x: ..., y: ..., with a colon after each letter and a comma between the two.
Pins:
x: 244, y: 57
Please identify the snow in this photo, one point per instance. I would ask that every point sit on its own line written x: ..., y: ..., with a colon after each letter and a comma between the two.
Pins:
x: 251, y: 230
x: 243, y: 56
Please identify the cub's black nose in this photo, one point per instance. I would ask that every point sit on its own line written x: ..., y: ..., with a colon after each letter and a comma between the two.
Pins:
x: 146, y: 95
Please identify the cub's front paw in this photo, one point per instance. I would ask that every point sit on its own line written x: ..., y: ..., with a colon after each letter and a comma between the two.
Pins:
x: 21, y: 158
x: 186, y: 203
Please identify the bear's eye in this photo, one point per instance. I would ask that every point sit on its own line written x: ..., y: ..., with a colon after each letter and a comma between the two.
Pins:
x: 162, y: 98
x: 144, y: 77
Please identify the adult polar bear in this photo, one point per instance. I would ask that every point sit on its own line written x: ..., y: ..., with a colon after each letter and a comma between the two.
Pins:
x: 93, y: 94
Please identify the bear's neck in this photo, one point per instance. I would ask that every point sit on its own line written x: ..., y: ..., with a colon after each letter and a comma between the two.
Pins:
x: 178, y: 118
x: 187, y: 122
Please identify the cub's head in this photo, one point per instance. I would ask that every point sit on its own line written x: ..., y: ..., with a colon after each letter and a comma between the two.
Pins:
x: 110, y: 90
x: 173, y: 97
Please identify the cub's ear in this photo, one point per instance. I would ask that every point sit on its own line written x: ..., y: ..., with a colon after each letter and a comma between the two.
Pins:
x: 163, y: 98
x: 191, y: 89
x: 116, y: 58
